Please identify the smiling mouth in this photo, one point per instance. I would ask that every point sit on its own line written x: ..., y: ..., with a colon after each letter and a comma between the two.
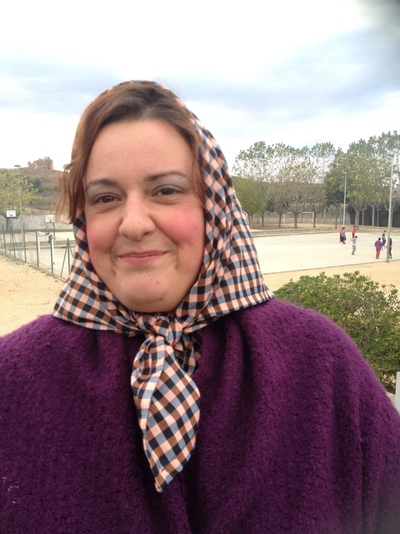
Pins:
x: 147, y: 255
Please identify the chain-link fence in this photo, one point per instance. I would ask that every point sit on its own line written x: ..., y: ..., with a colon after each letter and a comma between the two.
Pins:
x: 48, y: 250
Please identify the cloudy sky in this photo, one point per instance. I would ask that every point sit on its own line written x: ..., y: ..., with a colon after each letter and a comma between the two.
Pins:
x: 278, y: 71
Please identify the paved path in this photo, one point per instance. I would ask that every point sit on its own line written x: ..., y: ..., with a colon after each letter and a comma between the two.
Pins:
x: 321, y: 250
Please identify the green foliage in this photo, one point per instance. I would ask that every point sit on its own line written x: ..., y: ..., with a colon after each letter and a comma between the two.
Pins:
x: 36, y: 184
x: 285, y: 178
x: 367, y: 311
x: 252, y: 194
x: 15, y: 192
x: 282, y: 178
x: 367, y: 167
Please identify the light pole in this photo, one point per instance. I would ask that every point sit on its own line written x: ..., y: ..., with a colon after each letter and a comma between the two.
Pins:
x: 390, y: 210
x: 344, y: 200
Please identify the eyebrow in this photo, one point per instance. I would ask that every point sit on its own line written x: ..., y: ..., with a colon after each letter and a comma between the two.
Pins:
x: 150, y: 178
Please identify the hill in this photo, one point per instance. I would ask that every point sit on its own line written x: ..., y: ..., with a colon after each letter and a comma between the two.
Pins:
x: 45, y: 180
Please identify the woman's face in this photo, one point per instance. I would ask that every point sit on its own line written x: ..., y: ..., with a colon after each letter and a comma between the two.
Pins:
x: 145, y: 225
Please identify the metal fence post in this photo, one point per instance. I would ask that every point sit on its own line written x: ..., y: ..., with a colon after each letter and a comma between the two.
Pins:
x: 37, y: 250
x: 51, y: 243
x: 23, y: 243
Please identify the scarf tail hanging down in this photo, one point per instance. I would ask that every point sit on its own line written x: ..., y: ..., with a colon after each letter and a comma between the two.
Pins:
x: 166, y: 398
x: 167, y: 404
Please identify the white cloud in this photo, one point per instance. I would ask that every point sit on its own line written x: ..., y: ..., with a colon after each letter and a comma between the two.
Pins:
x: 30, y: 136
x: 293, y: 72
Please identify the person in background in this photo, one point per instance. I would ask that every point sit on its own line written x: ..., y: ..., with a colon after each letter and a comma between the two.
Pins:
x: 353, y: 231
x: 378, y: 247
x: 390, y: 247
x: 342, y: 235
x: 353, y: 244
x: 383, y: 239
x: 170, y: 391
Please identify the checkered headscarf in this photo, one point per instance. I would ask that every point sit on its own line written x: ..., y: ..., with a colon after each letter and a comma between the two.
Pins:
x: 165, y: 395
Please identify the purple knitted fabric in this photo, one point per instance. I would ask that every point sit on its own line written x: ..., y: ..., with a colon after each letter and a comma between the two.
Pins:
x: 296, y: 435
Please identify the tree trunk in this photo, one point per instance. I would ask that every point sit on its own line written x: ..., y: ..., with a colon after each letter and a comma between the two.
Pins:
x: 357, y: 217
x: 363, y: 217
x: 336, y: 216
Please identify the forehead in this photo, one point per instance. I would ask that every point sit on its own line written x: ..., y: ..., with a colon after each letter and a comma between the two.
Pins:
x: 139, y: 142
x: 138, y: 133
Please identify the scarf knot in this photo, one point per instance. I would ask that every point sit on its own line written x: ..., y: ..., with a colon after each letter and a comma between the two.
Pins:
x: 168, y: 328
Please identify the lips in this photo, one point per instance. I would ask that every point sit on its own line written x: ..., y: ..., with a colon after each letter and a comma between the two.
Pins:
x: 145, y: 257
x: 143, y: 254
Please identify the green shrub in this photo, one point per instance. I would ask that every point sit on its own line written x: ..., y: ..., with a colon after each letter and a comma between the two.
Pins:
x: 367, y: 311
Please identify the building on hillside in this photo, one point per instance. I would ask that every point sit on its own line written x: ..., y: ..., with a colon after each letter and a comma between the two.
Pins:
x: 45, y: 163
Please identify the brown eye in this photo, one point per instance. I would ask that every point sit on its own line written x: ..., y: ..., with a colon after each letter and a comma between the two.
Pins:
x: 167, y: 191
x: 104, y: 199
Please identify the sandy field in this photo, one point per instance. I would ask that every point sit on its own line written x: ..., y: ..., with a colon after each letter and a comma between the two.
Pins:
x: 26, y: 292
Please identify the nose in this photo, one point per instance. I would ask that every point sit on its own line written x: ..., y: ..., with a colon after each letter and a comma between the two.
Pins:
x: 136, y: 219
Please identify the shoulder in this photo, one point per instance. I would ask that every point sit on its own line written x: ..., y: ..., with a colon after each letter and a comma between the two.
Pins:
x: 300, y: 329
x: 40, y: 342
x: 287, y: 331
x: 305, y: 346
x: 45, y: 328
x: 280, y: 318
x: 50, y: 354
x: 310, y: 357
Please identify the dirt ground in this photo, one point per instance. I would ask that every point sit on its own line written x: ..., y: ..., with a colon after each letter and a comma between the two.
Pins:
x: 26, y: 292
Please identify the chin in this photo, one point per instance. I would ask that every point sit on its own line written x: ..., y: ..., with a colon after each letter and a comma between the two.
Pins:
x: 150, y: 305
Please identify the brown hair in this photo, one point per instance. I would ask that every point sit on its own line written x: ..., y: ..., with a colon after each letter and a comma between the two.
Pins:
x: 125, y: 102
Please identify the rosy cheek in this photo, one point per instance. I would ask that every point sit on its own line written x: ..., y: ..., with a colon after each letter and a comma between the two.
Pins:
x: 94, y: 239
x: 188, y: 226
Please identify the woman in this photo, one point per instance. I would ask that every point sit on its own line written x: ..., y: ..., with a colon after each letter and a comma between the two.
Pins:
x: 243, y: 413
x: 378, y: 247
